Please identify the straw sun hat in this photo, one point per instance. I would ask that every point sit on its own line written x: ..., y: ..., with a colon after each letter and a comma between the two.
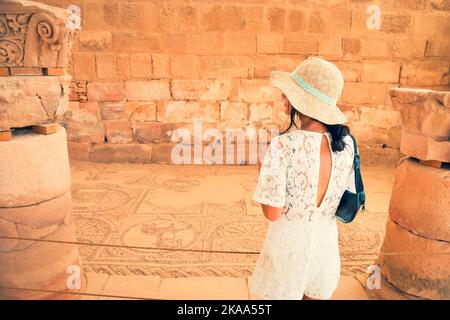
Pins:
x: 313, y: 89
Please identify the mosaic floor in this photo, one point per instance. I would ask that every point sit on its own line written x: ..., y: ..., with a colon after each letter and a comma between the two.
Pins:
x: 192, y: 210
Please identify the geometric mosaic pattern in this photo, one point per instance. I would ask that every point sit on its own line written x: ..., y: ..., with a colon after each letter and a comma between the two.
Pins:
x: 194, y: 211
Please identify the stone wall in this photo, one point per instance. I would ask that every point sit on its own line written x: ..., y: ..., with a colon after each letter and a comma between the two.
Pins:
x: 144, y: 68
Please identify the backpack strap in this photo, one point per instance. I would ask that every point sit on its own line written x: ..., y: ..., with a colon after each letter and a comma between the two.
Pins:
x: 359, y: 186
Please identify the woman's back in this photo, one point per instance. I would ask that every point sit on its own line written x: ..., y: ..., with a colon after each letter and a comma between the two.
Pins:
x: 305, y: 178
x: 326, y: 163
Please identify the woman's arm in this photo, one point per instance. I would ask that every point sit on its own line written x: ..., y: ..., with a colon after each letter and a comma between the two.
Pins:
x: 271, y: 213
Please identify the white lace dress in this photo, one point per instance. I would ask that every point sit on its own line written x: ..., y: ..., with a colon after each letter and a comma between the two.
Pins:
x: 300, y: 254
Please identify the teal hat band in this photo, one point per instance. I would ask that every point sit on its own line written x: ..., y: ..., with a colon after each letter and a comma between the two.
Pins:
x: 313, y: 91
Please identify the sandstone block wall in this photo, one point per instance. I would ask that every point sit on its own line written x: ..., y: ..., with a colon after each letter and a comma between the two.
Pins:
x: 140, y: 67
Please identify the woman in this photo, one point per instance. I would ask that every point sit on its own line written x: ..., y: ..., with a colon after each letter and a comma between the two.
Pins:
x: 302, y: 178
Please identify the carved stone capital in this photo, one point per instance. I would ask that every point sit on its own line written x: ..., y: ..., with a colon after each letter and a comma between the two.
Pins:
x: 34, y: 35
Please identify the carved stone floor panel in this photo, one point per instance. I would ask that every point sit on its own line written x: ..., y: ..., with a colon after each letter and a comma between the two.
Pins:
x: 192, y: 212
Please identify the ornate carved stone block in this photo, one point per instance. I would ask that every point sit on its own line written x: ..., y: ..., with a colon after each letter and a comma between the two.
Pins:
x: 34, y: 35
x: 425, y: 116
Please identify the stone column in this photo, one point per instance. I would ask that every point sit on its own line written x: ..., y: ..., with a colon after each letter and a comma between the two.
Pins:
x: 37, y: 250
x: 415, y: 256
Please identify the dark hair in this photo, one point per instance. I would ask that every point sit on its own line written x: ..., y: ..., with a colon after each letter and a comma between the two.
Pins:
x: 338, y: 131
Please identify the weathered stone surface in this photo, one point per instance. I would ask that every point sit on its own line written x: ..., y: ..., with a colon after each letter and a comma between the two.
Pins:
x: 184, y: 66
x: 379, y: 117
x: 118, y: 132
x: 26, y: 101
x: 106, y: 91
x: 376, y: 155
x: 27, y: 232
x: 35, y: 168
x: 182, y: 111
x: 208, y: 90
x: 351, y: 46
x: 425, y: 116
x: 420, y: 200
x: 84, y: 66
x: 79, y: 150
x: 147, y: 90
x: 268, y: 43
x: 8, y: 229
x: 105, y: 64
x: 91, y: 107
x: 424, y: 148
x: 113, y: 111
x: 364, y: 93
x: 226, y: 67
x: 423, y: 111
x: 41, y: 265
x: 162, y: 153
x: 191, y: 132
x: 39, y: 215
x: 415, y: 265
x: 36, y: 35
x: 261, y: 112
x: 123, y: 66
x: 140, y: 65
x: 233, y: 111
x: 160, y: 64
x: 396, y: 23
x: 258, y: 91
x: 299, y: 45
x: 95, y: 40
x: 137, y: 111
x: 121, y: 153
x: 377, y: 71
x: 82, y: 126
x: 149, y: 132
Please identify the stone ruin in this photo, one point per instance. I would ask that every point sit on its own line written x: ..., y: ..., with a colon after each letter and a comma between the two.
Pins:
x: 35, y: 201
x: 35, y: 198
x: 415, y: 255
